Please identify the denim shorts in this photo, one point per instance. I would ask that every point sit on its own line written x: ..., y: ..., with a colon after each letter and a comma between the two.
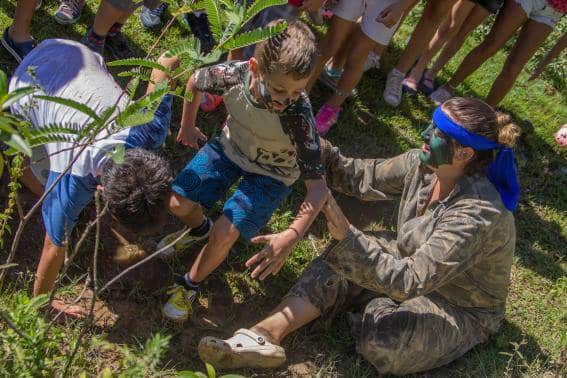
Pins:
x: 207, y: 178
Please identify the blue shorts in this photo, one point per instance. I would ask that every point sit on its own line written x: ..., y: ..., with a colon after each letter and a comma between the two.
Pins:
x: 209, y: 175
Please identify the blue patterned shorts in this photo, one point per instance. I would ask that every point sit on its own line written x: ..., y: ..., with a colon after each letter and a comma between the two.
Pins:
x: 207, y: 178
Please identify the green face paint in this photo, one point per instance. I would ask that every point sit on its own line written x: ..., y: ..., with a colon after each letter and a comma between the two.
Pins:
x: 438, y: 147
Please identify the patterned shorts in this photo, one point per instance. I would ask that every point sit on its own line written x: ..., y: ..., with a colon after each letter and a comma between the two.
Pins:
x: 207, y: 178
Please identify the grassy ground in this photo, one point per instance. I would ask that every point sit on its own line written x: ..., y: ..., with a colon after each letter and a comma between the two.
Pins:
x: 533, y: 340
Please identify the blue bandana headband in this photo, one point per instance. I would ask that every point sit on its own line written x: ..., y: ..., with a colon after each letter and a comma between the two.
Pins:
x: 501, y: 172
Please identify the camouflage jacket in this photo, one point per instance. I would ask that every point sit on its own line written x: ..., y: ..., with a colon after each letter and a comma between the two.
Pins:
x: 460, y: 248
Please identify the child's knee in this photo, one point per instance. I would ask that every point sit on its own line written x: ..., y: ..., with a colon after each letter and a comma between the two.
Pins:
x: 181, y: 206
x: 223, y: 233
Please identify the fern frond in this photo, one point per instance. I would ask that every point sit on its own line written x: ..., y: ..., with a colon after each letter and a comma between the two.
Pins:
x: 141, y: 111
x: 138, y: 63
x: 212, y: 9
x: 9, y: 98
x: 254, y: 36
x: 258, y: 6
x: 3, y: 83
x: 133, y: 87
x: 72, y: 104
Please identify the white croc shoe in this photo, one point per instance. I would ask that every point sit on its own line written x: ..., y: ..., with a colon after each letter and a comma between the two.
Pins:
x: 244, y: 349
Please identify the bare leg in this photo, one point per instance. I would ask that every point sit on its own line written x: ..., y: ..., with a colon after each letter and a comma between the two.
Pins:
x: 188, y: 212
x: 291, y: 314
x: 329, y: 46
x: 30, y: 181
x: 476, y: 16
x: 552, y: 54
x: 510, y: 18
x: 222, y: 237
x: 354, y: 68
x: 531, y: 37
x: 106, y: 16
x: 340, y: 58
x: 20, y: 28
x: 434, y: 13
x: 447, y: 30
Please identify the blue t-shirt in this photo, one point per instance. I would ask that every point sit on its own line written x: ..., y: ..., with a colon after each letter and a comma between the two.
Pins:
x: 69, y: 69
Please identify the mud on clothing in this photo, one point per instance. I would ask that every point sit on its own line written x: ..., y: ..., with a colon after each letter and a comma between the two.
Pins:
x: 268, y: 150
x: 71, y: 70
x: 279, y: 145
x: 436, y: 290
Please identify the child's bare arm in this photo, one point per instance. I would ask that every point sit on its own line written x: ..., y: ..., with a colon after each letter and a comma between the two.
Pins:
x: 278, y: 246
x: 189, y: 134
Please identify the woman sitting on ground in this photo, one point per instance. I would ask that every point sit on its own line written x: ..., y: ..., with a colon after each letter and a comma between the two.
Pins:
x: 437, y: 290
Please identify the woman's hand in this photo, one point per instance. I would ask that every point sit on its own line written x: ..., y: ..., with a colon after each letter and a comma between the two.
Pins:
x: 391, y: 14
x: 337, y: 223
x: 191, y: 137
x: 271, y: 259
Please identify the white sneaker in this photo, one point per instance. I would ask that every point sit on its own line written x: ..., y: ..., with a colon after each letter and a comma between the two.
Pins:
x: 393, y: 90
x: 372, y: 61
x: 440, y: 95
x: 244, y: 349
x: 184, y: 241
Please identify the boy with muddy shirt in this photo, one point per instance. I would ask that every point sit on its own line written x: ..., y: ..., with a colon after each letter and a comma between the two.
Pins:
x: 268, y: 141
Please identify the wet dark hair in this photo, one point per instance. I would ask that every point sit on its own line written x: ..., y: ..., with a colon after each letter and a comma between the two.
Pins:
x: 138, y: 189
x: 292, y: 52
x: 480, y: 118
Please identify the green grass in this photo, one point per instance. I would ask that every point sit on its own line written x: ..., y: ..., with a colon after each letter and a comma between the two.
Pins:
x: 536, y: 315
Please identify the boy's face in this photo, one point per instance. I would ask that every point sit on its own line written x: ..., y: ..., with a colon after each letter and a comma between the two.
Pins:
x: 278, y: 91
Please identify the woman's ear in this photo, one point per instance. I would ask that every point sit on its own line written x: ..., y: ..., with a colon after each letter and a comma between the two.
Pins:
x: 463, y: 155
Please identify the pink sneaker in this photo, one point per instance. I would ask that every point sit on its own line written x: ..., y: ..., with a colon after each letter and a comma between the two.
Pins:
x: 210, y: 102
x: 326, y: 118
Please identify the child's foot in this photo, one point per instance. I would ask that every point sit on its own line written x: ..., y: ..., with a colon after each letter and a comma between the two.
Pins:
x: 118, y: 47
x: 69, y: 11
x: 210, y: 102
x: 186, y: 236
x: 93, y: 41
x: 427, y: 83
x: 326, y: 118
x: 372, y: 61
x: 18, y: 49
x: 180, y: 303
x: 441, y: 94
x: 151, y: 18
x: 393, y: 90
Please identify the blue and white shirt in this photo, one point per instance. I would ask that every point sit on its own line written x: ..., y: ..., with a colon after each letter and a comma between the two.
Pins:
x: 70, y: 70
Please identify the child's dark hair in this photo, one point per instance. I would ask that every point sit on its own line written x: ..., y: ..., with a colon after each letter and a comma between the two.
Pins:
x: 138, y: 189
x: 480, y: 118
x: 292, y: 52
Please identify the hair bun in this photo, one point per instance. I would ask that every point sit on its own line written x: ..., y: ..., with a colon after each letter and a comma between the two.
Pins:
x: 508, y: 132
